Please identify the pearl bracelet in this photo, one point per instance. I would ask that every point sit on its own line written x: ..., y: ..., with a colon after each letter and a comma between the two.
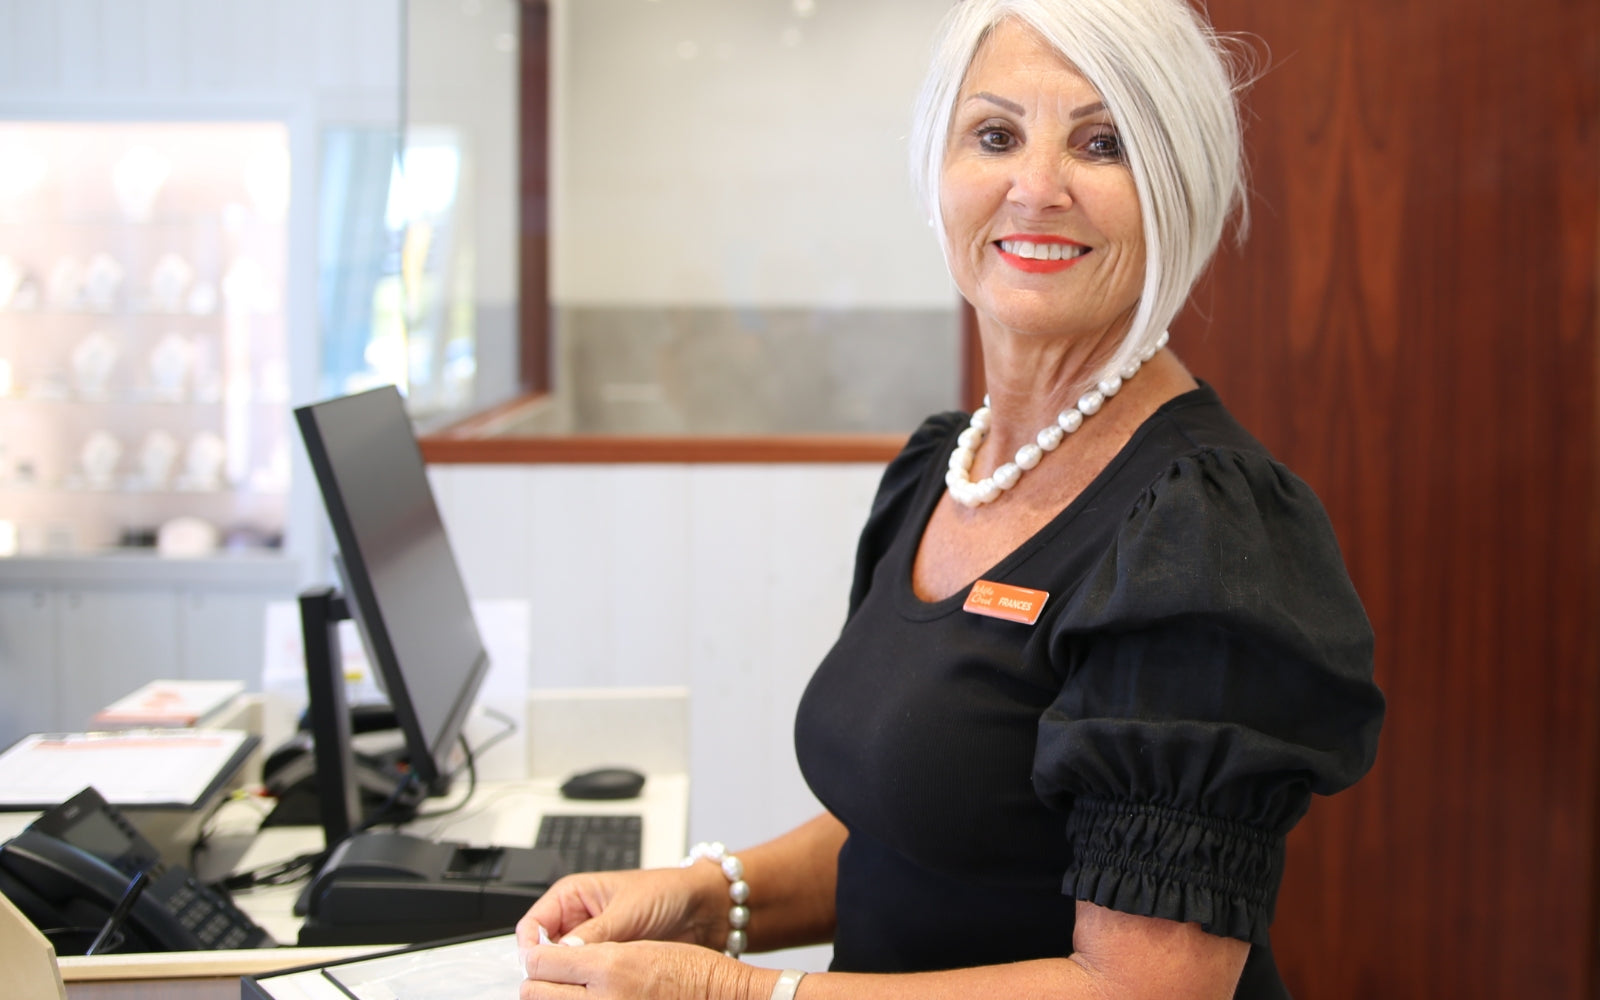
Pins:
x: 738, y: 891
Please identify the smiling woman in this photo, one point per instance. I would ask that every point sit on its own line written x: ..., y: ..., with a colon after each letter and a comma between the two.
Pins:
x: 1139, y: 661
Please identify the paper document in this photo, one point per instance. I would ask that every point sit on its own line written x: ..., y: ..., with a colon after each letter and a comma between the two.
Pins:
x: 178, y: 704
x: 138, y: 767
x: 470, y: 970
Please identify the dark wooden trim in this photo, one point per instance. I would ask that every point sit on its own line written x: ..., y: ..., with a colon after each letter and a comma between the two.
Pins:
x: 972, y: 375
x: 608, y: 449
x: 479, y: 439
x: 533, y: 181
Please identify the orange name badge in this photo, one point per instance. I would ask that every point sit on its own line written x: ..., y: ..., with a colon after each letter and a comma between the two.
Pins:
x: 999, y: 600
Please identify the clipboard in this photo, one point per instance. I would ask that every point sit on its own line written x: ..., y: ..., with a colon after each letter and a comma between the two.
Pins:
x: 177, y: 769
x: 465, y: 968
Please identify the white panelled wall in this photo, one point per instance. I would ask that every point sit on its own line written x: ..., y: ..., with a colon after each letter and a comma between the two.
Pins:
x: 729, y: 579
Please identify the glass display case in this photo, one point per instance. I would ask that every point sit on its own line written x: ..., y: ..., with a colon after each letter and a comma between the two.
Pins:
x: 144, y: 375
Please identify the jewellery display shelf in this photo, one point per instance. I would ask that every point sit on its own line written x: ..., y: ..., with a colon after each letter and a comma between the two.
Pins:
x: 143, y: 341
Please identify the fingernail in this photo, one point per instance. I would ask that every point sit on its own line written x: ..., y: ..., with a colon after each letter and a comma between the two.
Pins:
x: 572, y: 941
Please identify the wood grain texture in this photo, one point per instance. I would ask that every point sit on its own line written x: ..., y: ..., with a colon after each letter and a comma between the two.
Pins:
x: 602, y: 449
x: 1412, y: 327
x: 533, y: 197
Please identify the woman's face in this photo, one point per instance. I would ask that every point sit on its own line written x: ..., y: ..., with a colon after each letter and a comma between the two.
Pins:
x: 1040, y: 209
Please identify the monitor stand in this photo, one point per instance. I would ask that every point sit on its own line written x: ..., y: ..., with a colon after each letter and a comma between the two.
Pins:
x: 338, y: 799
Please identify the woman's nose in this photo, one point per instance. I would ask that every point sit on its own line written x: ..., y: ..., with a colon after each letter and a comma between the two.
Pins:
x: 1041, y: 181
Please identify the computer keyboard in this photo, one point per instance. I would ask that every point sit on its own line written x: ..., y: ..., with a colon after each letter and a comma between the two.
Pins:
x: 591, y: 843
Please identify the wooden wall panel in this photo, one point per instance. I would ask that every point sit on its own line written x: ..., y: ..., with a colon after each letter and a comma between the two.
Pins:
x: 1412, y: 327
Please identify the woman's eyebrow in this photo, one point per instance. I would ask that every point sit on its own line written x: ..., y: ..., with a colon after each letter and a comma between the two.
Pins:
x: 1017, y: 109
x: 1011, y: 106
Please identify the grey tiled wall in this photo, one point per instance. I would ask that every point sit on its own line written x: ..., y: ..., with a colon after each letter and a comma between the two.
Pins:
x: 687, y: 370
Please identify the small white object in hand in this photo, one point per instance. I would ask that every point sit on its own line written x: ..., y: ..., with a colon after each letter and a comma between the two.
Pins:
x: 522, y: 953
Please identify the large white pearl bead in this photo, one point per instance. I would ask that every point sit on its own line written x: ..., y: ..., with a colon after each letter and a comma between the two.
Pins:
x: 981, y: 418
x: 970, y: 439
x: 1050, y: 438
x: 739, y: 917
x: 1091, y: 402
x: 955, y: 479
x: 1131, y: 370
x: 1028, y: 456
x: 733, y: 868
x: 739, y: 892
x: 1110, y: 386
x: 736, y: 943
x: 961, y: 459
x: 1069, y: 420
x: 987, y: 491
x: 1007, y: 475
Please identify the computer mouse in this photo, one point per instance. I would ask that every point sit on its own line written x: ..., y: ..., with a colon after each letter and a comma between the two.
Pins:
x: 603, y: 783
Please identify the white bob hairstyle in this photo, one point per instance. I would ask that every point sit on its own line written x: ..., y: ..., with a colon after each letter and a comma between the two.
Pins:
x: 1166, y: 79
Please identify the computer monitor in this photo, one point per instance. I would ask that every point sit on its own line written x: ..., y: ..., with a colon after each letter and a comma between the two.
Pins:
x: 401, y: 585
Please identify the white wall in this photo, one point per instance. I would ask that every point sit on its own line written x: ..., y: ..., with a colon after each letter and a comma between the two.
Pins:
x: 745, y: 152
x: 732, y: 580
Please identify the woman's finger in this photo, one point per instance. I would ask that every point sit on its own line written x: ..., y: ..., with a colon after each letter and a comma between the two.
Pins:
x: 533, y: 989
x: 565, y: 964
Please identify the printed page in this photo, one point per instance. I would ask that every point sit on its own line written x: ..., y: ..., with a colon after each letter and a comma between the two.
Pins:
x: 470, y: 970
x: 130, y: 768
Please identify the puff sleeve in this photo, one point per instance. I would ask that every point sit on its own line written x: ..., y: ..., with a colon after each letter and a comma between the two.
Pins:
x: 896, y: 491
x: 1216, y: 671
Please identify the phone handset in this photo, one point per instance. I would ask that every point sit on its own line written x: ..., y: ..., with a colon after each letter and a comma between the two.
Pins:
x: 86, y: 891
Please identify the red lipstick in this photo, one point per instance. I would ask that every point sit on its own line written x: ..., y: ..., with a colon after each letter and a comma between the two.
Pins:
x: 1033, y: 265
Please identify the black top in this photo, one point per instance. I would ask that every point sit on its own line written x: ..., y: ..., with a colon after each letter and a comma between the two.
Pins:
x: 1201, y: 667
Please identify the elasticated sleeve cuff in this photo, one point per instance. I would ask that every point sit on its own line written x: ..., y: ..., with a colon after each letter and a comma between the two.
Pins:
x: 1220, y: 874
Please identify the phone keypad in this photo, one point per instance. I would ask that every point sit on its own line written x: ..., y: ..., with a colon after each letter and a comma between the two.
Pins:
x: 210, y: 916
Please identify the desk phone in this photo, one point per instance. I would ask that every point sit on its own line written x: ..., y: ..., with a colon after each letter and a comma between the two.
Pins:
x: 69, y: 868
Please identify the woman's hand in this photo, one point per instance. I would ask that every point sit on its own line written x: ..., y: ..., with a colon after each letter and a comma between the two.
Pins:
x: 638, y: 970
x: 658, y: 904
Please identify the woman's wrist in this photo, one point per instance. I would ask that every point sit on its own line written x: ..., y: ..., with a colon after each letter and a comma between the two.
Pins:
x: 731, y: 895
x: 767, y: 984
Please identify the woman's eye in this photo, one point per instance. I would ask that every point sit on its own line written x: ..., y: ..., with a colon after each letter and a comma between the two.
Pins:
x: 1104, y: 145
x: 995, y: 140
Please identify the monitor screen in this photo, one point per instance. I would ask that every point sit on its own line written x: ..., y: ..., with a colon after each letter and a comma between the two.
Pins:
x: 401, y: 581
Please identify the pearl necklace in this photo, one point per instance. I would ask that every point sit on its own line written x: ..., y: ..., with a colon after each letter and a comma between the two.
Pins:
x: 974, y: 494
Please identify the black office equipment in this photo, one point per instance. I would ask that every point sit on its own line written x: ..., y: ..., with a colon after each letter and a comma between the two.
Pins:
x: 589, y: 843
x: 604, y: 783
x: 388, y: 888
x: 405, y: 592
x: 379, y: 763
x: 402, y: 587
x: 69, y: 870
x: 111, y: 934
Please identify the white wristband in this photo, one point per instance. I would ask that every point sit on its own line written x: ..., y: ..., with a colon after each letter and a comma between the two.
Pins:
x: 788, y: 982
